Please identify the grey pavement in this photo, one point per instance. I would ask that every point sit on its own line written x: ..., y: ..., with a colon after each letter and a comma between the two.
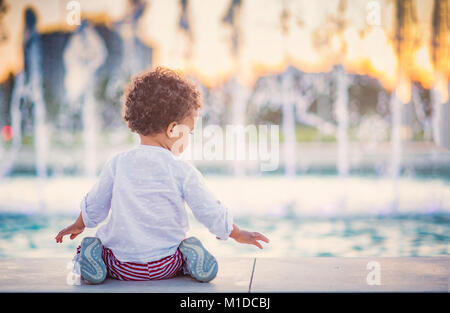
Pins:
x: 243, y: 275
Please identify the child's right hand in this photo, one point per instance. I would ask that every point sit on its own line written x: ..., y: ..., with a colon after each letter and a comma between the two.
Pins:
x: 73, y: 230
x: 243, y: 236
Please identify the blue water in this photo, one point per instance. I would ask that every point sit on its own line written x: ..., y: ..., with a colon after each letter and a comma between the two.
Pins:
x: 23, y: 235
x: 303, y: 217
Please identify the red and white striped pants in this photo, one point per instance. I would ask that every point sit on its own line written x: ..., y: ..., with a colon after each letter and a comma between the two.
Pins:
x: 165, y: 268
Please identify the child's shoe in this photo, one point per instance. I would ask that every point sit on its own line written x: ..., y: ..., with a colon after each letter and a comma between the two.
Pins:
x: 199, y: 263
x: 92, y: 267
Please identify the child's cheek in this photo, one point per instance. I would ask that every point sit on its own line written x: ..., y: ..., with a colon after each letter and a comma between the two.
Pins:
x: 181, y: 143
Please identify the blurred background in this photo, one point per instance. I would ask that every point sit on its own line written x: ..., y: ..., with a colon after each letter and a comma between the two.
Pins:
x: 359, y: 90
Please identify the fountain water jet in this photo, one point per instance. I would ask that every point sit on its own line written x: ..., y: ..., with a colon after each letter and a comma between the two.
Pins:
x: 16, y: 125
x: 28, y: 87
x: 34, y: 82
x: 288, y: 127
x: 396, y: 120
x: 280, y: 92
x: 401, y: 95
x: 239, y: 94
x: 440, y: 90
x: 83, y: 55
x: 239, y: 97
x: 342, y: 115
x: 440, y: 114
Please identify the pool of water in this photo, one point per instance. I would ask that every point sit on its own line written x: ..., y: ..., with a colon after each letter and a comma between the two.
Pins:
x: 23, y: 235
x: 304, y: 216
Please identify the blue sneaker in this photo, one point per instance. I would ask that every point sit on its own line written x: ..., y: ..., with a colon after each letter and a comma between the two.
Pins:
x: 199, y: 263
x: 92, y: 267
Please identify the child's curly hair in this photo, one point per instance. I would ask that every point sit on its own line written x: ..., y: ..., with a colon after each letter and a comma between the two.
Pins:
x: 157, y: 98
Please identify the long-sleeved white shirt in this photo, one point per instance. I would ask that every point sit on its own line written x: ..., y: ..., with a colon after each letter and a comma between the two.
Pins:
x: 145, y: 190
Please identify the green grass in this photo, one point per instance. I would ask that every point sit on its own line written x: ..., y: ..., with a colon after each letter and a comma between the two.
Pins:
x: 302, y: 134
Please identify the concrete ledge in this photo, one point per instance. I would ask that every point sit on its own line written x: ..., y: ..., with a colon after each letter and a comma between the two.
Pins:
x: 51, y: 275
x: 241, y: 275
x: 424, y: 274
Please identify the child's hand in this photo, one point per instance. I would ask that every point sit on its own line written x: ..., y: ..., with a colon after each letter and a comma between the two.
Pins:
x: 73, y: 230
x: 243, y: 236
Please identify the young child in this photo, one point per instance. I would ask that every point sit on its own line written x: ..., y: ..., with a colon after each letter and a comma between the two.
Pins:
x: 144, y: 190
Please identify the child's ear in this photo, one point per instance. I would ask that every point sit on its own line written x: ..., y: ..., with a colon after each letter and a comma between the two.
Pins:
x: 170, y: 130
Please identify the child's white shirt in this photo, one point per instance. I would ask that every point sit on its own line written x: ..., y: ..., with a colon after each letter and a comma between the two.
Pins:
x: 146, y: 189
